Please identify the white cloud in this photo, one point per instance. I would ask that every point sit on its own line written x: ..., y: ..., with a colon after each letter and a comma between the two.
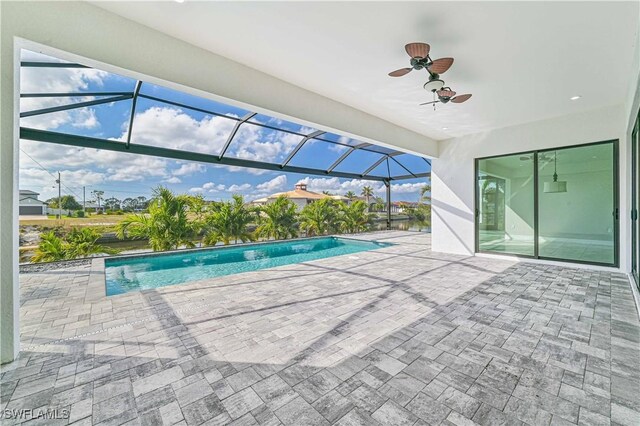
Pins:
x: 407, y: 188
x: 211, y: 187
x: 66, y: 80
x: 137, y: 167
x: 44, y: 183
x: 334, y: 185
x: 187, y: 169
x: 118, y: 167
x: 239, y: 188
x: 170, y: 127
x: 261, y: 144
x: 173, y: 179
x: 278, y: 182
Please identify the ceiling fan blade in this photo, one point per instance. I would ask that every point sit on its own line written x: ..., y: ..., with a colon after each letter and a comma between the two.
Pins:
x: 440, y: 66
x: 429, y: 103
x: 460, y: 98
x: 400, y: 72
x: 418, y: 50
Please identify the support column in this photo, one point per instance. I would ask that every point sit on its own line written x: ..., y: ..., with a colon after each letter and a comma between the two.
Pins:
x: 388, y: 185
x: 9, y: 287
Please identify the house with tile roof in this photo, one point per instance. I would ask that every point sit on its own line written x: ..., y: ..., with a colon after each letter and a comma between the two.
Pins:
x: 300, y: 196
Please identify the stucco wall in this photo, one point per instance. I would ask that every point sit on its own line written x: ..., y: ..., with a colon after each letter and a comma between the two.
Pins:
x: 453, y: 172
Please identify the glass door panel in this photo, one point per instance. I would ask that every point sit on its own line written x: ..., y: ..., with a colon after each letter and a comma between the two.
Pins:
x: 576, y: 203
x: 505, y: 204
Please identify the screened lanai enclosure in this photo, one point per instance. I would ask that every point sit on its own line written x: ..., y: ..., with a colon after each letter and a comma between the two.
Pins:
x: 224, y: 134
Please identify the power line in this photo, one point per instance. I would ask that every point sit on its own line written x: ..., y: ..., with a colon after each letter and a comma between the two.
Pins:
x: 52, y: 175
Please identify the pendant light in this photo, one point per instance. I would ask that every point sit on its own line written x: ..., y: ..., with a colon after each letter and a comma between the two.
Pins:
x: 556, y: 185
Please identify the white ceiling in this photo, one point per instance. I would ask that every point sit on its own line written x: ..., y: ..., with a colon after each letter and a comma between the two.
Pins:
x: 521, y: 61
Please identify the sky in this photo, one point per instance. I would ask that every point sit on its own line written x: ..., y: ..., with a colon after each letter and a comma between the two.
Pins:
x: 123, y: 175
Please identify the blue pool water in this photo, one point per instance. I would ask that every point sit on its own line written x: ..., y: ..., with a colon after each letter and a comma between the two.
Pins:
x: 146, y: 272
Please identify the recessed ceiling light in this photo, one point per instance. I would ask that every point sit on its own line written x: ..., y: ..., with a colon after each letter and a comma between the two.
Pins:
x: 575, y: 98
x: 179, y: 1
x: 444, y: 128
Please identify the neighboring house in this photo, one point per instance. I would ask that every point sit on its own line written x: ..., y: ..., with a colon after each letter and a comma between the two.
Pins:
x: 401, y: 206
x: 300, y: 197
x: 93, y: 205
x: 30, y: 205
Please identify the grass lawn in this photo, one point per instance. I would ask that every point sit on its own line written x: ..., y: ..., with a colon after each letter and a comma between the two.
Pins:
x: 102, y: 223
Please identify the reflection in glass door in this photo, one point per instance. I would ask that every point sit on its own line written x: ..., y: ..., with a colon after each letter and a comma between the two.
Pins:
x: 505, y: 194
x: 576, y: 203
x: 555, y: 204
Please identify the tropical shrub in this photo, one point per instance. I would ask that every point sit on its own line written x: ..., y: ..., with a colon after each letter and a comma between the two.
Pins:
x: 278, y: 220
x: 319, y: 217
x: 228, y: 221
x: 166, y: 226
x: 354, y: 217
x: 77, y: 243
x: 50, y: 249
x: 421, y: 214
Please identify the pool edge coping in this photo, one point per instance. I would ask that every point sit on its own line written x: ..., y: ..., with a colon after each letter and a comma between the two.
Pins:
x: 97, y: 285
x: 231, y: 246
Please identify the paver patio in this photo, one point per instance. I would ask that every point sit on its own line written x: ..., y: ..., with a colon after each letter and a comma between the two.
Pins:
x: 395, y: 336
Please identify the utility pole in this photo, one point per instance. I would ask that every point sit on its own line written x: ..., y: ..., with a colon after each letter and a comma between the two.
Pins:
x: 84, y: 200
x: 59, y: 197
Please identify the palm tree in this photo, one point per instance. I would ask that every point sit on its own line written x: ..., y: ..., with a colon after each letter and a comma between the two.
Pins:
x: 423, y: 193
x: 367, y: 192
x: 278, y: 220
x: 354, y: 217
x: 228, y: 221
x: 319, y: 217
x: 350, y: 195
x: 167, y: 225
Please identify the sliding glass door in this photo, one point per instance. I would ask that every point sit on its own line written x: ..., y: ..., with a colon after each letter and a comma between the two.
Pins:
x: 577, y: 207
x: 556, y: 204
x: 505, y: 192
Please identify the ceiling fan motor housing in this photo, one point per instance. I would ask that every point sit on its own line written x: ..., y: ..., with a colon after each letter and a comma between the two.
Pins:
x: 420, y: 63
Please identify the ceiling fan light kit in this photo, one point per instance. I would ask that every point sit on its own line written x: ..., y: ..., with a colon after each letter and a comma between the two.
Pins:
x: 420, y: 59
x: 433, y: 85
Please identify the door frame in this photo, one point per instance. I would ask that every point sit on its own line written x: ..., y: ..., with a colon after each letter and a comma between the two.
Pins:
x: 615, y: 213
x: 635, y: 186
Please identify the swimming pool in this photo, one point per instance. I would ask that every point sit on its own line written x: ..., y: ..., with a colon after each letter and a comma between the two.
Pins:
x: 152, y: 271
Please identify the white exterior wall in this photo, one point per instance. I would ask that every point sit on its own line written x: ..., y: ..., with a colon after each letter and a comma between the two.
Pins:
x: 453, y: 172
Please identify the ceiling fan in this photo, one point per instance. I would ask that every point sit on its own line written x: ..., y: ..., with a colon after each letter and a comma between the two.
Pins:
x: 446, y: 95
x: 420, y: 59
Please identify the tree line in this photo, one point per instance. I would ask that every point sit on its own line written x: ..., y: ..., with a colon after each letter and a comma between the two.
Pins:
x: 130, y: 204
x: 182, y: 220
x: 173, y: 220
